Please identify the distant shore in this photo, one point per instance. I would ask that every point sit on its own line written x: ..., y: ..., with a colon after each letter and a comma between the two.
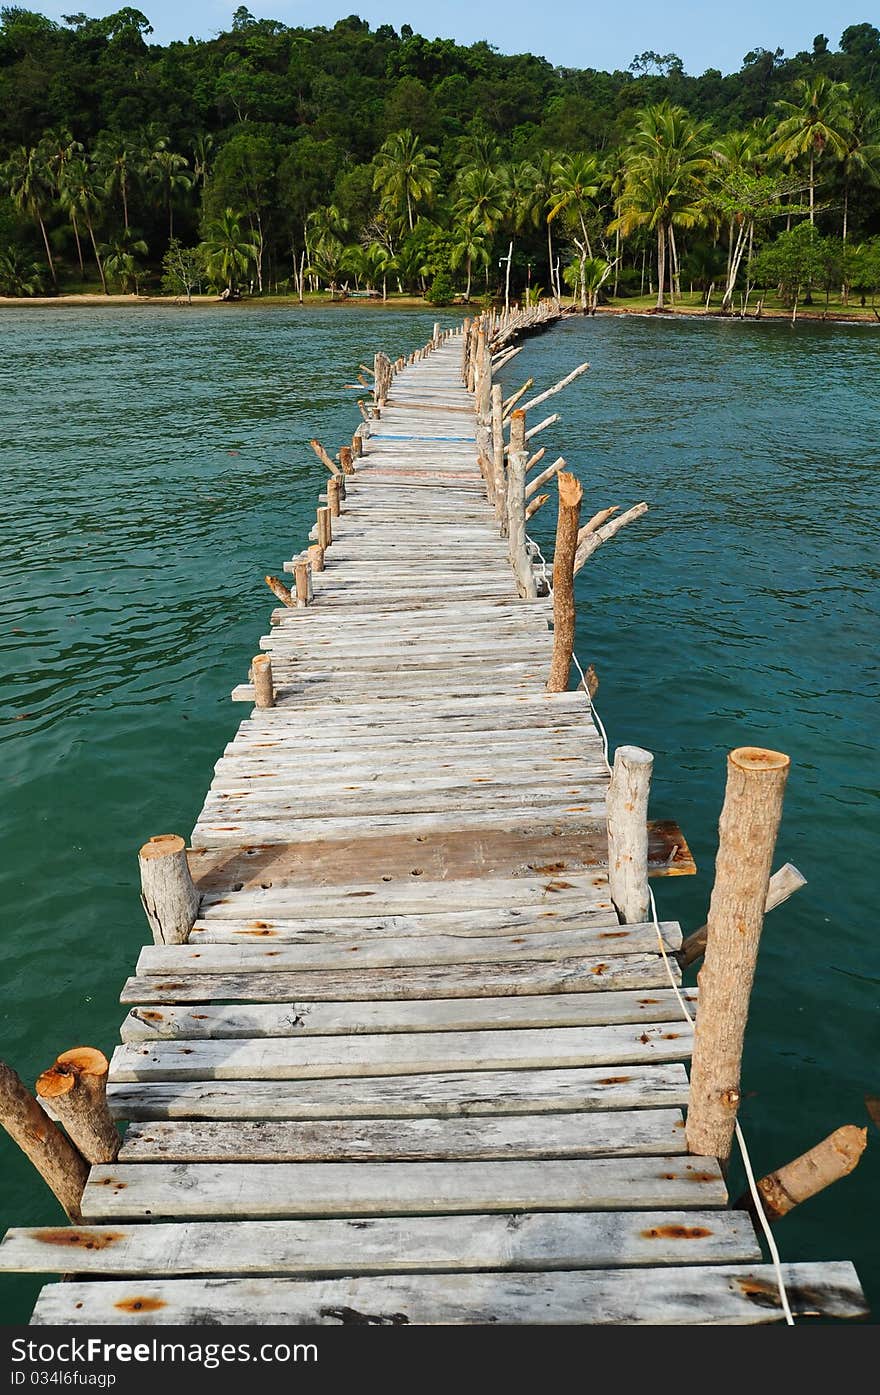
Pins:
x: 642, y: 309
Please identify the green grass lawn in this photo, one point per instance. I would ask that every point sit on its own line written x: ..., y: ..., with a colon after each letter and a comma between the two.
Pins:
x: 696, y: 300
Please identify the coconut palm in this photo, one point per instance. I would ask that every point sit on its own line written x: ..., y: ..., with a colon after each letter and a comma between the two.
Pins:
x: 470, y: 248
x: 541, y: 178
x: 479, y: 198
x: 228, y: 249
x: 114, y: 161
x: 20, y: 275
x: 120, y: 259
x: 81, y: 195
x: 60, y: 149
x: 202, y: 152
x: 577, y: 181
x: 27, y: 178
x: 811, y: 125
x: 406, y: 173
x: 165, y: 170
x: 860, y: 162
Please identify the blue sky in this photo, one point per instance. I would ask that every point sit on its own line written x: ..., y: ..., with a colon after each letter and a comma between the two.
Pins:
x: 585, y: 34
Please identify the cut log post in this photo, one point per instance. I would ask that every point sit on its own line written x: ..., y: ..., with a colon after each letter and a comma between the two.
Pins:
x: 301, y: 578
x: 835, y: 1157
x: 516, y: 510
x: 746, y: 839
x: 784, y: 883
x: 557, y: 387
x: 345, y: 458
x: 75, y: 1088
x: 316, y: 557
x: 357, y: 446
x: 626, y: 806
x: 325, y: 528
x: 59, y: 1164
x: 435, y: 339
x: 324, y: 458
x: 535, y: 505
x: 333, y: 497
x: 593, y: 540
x: 465, y: 346
x: 278, y: 589
x: 498, y: 482
x: 364, y: 413
x: 545, y: 475
x: 511, y: 402
x: 570, y: 495
x: 261, y: 673
x: 168, y: 896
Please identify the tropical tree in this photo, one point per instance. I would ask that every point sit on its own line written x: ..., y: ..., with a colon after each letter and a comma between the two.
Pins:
x: 182, y: 269
x: 860, y: 161
x: 541, y: 178
x: 811, y: 125
x: 61, y: 149
x: 470, y: 248
x: 114, y: 161
x: 165, y: 170
x: 406, y: 174
x: 794, y: 262
x: 20, y: 275
x: 82, y: 196
x: 577, y: 180
x: 229, y: 250
x: 27, y: 178
x: 120, y: 259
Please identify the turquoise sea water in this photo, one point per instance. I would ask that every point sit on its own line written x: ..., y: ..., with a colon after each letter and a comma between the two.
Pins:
x: 155, y: 465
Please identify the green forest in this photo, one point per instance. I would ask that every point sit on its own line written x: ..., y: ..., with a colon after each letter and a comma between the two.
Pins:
x: 275, y: 160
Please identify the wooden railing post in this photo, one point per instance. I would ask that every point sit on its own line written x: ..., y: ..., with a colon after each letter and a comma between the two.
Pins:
x: 626, y: 807
x: 333, y: 496
x: 168, y: 896
x: 325, y: 528
x: 517, y: 551
x: 499, y: 484
x: 76, y: 1089
x: 316, y: 557
x: 51, y: 1152
x: 345, y: 457
x: 568, y: 519
x: 746, y: 839
x: 302, y: 586
x: 264, y: 688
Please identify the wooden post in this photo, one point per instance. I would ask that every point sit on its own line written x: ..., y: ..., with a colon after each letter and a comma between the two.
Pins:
x: 264, y: 690
x: 465, y: 347
x: 52, y: 1154
x: 76, y: 1088
x: 536, y: 504
x: 316, y: 557
x: 435, y: 338
x: 345, y: 460
x: 517, y: 460
x: 746, y: 839
x: 626, y: 807
x: 324, y: 458
x: 277, y: 587
x: 835, y: 1157
x: 325, y: 528
x: 168, y: 896
x: 570, y: 495
x: 499, y: 484
x: 784, y: 883
x: 357, y: 446
x: 333, y: 497
x: 301, y: 576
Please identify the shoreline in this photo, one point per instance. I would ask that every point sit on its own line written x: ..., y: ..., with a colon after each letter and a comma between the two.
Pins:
x: 92, y: 299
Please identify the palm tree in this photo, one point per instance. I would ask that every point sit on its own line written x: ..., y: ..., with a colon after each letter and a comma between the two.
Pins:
x: 165, y: 170
x: 860, y: 161
x: 120, y: 258
x: 406, y: 173
x: 576, y: 182
x: 541, y: 178
x: 203, y: 149
x: 82, y: 194
x: 60, y: 149
x: 229, y: 251
x: 379, y: 263
x: 470, y: 248
x: 19, y: 274
x: 114, y: 161
x: 27, y: 177
x: 811, y: 124
x: 479, y: 198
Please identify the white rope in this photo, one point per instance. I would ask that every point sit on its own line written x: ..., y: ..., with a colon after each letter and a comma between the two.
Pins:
x: 740, y: 1137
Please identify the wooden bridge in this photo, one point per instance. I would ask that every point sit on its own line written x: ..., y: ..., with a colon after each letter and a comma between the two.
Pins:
x: 407, y: 1065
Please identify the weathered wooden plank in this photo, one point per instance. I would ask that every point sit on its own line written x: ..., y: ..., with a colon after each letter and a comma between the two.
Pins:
x: 284, y: 804
x: 446, y: 1094
x: 644, y: 971
x: 586, y: 1135
x: 726, y: 1295
x: 416, y: 1053
x: 364, y: 953
x: 216, y: 829
x: 606, y: 938
x: 251, y: 1190
x: 168, y: 1021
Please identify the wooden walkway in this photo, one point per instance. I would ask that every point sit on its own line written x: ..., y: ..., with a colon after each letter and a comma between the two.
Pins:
x: 409, y: 1067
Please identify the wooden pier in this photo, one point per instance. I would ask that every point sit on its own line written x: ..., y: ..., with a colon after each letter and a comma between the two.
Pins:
x: 407, y: 1065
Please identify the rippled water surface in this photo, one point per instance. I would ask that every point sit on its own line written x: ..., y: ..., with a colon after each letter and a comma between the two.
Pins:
x: 155, y: 465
